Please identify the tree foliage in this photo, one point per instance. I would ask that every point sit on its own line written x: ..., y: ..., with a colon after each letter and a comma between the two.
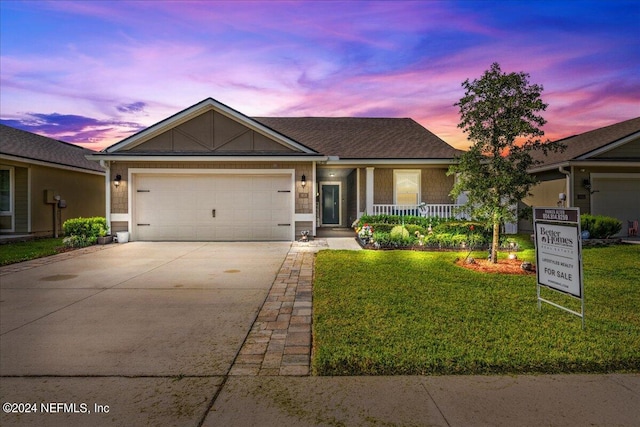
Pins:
x: 500, y: 113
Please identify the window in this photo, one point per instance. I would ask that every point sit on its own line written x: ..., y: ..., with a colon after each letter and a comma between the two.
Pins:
x: 406, y: 187
x: 5, y: 190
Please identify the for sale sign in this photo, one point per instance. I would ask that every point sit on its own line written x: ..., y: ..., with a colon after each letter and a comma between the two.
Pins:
x: 559, y: 253
x: 558, y: 257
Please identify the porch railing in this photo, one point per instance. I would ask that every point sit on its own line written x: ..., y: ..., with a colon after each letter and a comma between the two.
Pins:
x: 427, y: 210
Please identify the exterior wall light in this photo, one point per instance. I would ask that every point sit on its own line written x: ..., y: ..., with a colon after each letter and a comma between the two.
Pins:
x: 303, y: 181
x: 116, y: 181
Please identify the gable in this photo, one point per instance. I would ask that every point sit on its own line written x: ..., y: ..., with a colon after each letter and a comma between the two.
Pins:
x: 628, y: 151
x: 208, y: 133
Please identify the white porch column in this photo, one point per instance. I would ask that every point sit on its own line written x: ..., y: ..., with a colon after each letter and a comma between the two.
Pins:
x: 369, y: 191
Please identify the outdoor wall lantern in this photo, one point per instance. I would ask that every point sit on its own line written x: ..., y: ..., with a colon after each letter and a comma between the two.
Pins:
x: 303, y: 181
x: 116, y: 181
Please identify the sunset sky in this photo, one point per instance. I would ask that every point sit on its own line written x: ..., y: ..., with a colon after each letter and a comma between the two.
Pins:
x: 94, y: 72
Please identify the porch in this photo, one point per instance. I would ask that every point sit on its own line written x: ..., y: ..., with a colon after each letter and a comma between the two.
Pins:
x: 426, y: 210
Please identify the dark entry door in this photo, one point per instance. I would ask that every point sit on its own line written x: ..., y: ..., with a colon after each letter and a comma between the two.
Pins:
x: 330, y: 204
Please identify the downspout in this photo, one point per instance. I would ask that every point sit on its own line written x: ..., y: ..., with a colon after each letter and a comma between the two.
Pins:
x: 569, y: 185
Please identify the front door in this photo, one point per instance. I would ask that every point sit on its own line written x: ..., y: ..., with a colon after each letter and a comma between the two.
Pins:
x: 330, y: 204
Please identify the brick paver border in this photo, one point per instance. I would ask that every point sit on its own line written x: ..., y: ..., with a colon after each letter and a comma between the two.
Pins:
x: 279, y: 342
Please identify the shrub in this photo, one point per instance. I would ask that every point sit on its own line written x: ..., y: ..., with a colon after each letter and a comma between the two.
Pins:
x: 82, y: 232
x: 600, y: 226
x: 399, y: 232
x: 413, y: 229
x: 397, y: 219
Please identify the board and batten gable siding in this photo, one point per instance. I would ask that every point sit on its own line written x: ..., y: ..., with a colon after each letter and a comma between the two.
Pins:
x: 210, y: 132
x: 630, y: 151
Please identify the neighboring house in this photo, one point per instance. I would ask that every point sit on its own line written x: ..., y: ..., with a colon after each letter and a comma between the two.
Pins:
x: 599, y: 172
x: 212, y: 173
x: 34, y: 172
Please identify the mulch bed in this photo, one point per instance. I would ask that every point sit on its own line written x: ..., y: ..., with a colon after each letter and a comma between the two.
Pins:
x: 504, y: 266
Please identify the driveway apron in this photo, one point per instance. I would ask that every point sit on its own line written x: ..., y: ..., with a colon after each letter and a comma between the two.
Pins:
x: 173, y: 314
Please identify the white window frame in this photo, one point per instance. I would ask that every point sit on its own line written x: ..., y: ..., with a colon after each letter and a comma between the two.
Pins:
x: 417, y: 173
x: 11, y: 190
x: 12, y: 195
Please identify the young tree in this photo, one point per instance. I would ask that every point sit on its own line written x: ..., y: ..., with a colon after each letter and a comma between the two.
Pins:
x: 500, y: 115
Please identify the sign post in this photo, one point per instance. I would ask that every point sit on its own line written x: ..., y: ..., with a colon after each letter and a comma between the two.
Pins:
x: 559, y: 254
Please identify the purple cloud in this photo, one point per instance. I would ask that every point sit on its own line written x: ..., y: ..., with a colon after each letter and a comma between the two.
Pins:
x: 86, y: 131
x: 135, y: 107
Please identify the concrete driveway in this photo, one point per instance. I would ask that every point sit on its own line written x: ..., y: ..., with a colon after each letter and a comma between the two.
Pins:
x: 150, y: 325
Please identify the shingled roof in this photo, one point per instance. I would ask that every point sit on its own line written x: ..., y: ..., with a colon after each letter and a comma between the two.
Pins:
x: 581, y: 146
x: 30, y: 146
x: 363, y: 138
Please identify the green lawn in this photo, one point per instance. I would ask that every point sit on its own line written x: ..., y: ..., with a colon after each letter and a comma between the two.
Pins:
x: 11, y: 253
x: 405, y: 312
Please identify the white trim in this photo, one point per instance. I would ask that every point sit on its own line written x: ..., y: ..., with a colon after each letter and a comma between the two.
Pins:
x: 395, y: 183
x: 12, y: 198
x: 314, y: 212
x: 584, y: 164
x: 29, y: 201
x: 339, y: 184
x: 612, y: 175
x: 170, y: 171
x: 134, y: 172
x: 196, y: 110
x: 357, y: 194
x: 369, y: 191
x: 365, y: 162
x: 207, y: 158
x: 107, y: 191
x: 119, y: 217
x: 304, y: 217
x: 50, y: 165
x: 609, y: 147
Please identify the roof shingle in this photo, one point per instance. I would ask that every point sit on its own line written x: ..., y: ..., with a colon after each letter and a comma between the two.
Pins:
x: 363, y: 138
x: 585, y: 143
x: 30, y: 146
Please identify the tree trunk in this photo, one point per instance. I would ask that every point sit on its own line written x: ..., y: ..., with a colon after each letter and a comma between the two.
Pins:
x: 494, y: 242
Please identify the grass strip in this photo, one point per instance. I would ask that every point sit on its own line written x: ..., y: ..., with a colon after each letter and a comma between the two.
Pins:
x: 408, y: 313
x: 14, y: 252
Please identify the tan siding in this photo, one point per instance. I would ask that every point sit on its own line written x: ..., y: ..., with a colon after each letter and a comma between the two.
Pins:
x: 363, y: 188
x: 119, y: 226
x: 351, y: 196
x: 83, y: 192
x: 581, y: 196
x: 21, y: 200
x: 435, y: 186
x: 383, y: 186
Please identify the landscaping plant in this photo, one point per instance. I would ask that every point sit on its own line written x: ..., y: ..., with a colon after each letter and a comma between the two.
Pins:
x: 500, y: 113
x: 81, y: 232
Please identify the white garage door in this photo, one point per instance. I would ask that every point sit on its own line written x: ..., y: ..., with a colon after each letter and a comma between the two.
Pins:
x: 616, y: 196
x: 213, y: 207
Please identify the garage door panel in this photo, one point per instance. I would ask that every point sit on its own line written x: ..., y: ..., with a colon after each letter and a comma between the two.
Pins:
x: 179, y: 207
